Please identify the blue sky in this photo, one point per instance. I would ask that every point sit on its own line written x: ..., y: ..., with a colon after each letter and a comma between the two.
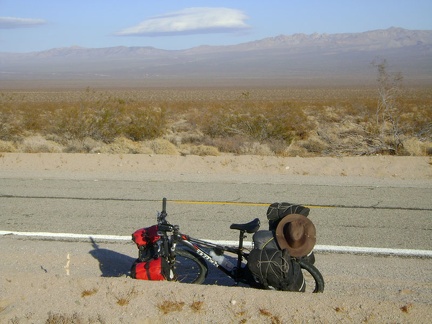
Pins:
x: 35, y: 25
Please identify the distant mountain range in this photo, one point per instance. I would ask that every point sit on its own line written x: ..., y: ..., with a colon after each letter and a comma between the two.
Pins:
x: 297, y: 59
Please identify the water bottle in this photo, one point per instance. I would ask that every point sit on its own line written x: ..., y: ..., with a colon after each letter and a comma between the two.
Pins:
x: 222, y: 260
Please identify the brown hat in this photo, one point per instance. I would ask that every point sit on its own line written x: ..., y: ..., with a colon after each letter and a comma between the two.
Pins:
x: 297, y: 234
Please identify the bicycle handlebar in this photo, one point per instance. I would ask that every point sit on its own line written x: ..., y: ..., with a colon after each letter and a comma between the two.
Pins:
x: 164, y: 201
x: 161, y: 217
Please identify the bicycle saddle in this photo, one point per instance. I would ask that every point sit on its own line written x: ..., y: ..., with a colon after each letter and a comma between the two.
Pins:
x: 250, y: 227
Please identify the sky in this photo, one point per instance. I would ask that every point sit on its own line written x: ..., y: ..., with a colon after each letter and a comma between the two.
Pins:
x: 36, y: 25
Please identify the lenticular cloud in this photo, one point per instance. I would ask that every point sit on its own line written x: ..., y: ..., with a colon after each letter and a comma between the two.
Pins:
x: 13, y: 22
x: 190, y: 21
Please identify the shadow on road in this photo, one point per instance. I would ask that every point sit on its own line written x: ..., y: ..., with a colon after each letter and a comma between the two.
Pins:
x: 111, y: 263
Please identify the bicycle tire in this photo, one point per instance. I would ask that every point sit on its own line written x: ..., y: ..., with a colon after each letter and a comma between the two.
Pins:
x: 189, y: 267
x: 315, y: 273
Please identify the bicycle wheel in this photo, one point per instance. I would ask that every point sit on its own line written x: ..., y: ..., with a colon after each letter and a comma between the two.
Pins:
x: 189, y: 267
x: 316, y: 275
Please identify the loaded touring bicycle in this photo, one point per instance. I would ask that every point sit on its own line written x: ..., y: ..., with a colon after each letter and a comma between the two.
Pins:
x: 281, y: 257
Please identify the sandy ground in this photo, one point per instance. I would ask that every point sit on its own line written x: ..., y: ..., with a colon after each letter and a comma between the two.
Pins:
x: 378, y: 167
x: 36, y: 286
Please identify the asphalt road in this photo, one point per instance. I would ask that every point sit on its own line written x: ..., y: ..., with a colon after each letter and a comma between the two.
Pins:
x: 346, y: 212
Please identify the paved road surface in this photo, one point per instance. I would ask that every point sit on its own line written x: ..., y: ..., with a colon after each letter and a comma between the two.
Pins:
x: 388, y: 214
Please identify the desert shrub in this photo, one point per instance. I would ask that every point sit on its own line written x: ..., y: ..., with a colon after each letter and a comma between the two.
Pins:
x: 122, y: 145
x: 109, y: 120
x: 314, y: 144
x: 194, y: 137
x: 7, y: 146
x: 180, y: 124
x: 81, y: 122
x: 260, y: 123
x: 10, y: 125
x: 414, y: 147
x: 252, y: 128
x: 86, y: 145
x: 295, y: 150
x: 279, y: 147
x: 204, y: 150
x: 416, y: 120
x: 145, y: 123
x: 389, y: 108
x: 162, y: 146
x: 255, y: 148
x: 20, y: 119
x: 227, y: 144
x: 104, y: 119
x: 38, y: 144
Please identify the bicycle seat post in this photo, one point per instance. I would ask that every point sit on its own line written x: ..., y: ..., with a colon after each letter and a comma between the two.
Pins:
x: 239, y: 253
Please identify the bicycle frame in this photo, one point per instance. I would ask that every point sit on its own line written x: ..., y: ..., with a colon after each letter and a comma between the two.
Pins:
x: 199, y: 246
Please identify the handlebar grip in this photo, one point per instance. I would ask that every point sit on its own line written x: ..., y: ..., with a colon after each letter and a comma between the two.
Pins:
x: 164, y: 201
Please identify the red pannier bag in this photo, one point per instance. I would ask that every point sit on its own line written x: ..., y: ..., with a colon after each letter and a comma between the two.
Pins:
x: 146, y: 240
x: 146, y: 236
x: 154, y: 269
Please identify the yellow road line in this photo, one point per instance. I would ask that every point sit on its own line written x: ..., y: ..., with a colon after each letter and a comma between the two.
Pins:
x: 195, y: 202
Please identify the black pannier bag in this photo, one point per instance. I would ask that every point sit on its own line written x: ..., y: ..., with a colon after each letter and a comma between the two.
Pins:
x: 275, y: 269
x: 264, y: 239
x: 277, y: 211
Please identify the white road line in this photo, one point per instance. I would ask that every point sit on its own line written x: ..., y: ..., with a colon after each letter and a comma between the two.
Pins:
x: 373, y: 251
x: 68, y: 235
x: 317, y: 248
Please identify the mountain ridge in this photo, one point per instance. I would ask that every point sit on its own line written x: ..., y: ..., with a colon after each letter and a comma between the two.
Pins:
x: 395, y: 37
x: 293, y: 57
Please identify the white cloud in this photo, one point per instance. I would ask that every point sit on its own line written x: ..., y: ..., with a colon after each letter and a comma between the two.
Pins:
x: 13, y: 22
x: 190, y: 21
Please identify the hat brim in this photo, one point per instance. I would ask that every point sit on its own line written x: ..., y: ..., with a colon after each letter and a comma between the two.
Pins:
x: 309, y: 235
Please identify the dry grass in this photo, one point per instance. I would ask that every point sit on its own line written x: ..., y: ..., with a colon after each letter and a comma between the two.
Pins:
x: 89, y: 292
x: 125, y: 299
x: 406, y: 308
x: 197, y: 306
x: 168, y: 306
x: 273, y: 318
x: 75, y: 318
x: 283, y: 122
